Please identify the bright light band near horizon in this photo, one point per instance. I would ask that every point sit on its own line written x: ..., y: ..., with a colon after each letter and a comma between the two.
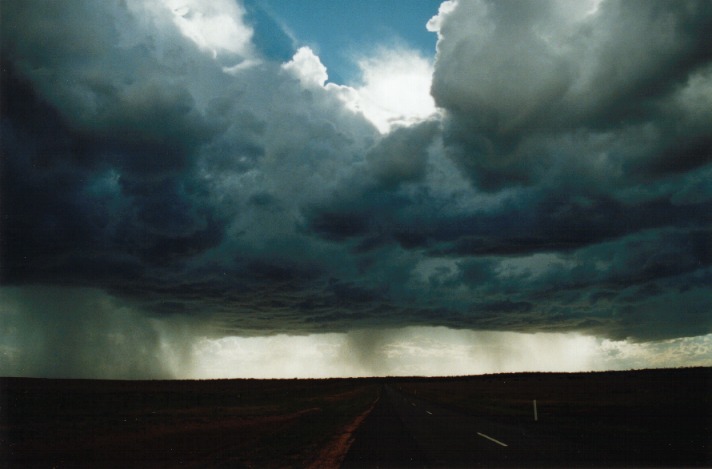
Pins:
x: 417, y: 351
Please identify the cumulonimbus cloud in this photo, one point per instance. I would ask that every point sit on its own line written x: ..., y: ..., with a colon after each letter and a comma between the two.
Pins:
x: 563, y: 184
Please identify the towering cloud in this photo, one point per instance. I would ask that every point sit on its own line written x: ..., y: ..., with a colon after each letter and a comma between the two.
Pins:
x: 165, y: 156
x: 535, y: 88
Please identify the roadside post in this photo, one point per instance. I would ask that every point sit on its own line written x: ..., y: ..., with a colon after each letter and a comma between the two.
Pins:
x: 536, y: 417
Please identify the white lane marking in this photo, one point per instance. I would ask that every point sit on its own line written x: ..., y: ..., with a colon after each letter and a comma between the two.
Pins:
x: 491, y: 439
x: 413, y: 404
x: 429, y: 412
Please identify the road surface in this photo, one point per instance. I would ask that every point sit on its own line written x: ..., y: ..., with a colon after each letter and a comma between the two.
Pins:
x: 403, y: 431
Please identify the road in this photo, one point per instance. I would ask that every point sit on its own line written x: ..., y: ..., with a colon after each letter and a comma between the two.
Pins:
x: 404, y: 431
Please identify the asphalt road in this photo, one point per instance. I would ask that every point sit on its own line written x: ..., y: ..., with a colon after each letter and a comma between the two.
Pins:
x: 404, y: 431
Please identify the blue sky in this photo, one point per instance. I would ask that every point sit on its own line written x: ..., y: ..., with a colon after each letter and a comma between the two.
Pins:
x: 340, y: 31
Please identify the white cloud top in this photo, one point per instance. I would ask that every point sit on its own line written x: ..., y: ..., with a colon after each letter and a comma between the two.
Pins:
x: 216, y: 26
x: 307, y: 67
x: 395, y: 89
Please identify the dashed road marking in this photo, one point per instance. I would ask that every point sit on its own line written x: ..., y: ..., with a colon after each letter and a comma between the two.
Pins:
x: 491, y: 439
x: 429, y: 412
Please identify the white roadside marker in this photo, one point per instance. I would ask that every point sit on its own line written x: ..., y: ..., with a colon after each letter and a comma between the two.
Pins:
x: 491, y: 439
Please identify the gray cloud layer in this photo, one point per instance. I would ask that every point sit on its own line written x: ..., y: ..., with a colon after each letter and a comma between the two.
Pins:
x: 566, y: 186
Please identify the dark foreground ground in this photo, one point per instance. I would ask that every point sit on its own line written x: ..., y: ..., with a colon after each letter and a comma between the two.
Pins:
x: 650, y: 418
x: 215, y: 423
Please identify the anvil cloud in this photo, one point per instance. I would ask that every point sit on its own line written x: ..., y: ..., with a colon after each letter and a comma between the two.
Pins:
x: 161, y: 159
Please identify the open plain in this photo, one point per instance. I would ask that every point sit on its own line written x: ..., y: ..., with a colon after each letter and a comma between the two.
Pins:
x: 647, y: 418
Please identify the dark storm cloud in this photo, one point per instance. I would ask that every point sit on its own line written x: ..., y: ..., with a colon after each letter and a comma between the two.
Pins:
x: 402, y: 155
x: 564, y: 185
x: 514, y: 74
x: 71, y: 199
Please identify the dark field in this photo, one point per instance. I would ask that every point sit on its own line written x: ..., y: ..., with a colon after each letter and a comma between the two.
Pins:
x: 227, y: 423
x: 629, y: 419
x: 648, y: 418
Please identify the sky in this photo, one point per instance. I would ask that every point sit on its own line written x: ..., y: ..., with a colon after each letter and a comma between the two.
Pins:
x: 262, y: 188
